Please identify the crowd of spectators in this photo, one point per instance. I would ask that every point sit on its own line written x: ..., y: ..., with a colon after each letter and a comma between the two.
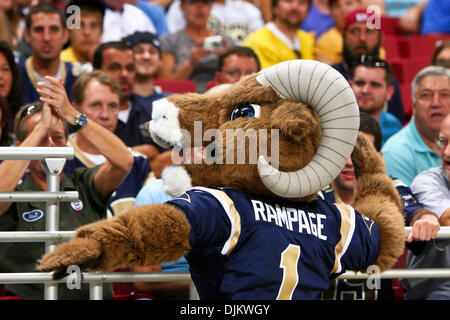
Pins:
x: 102, y: 58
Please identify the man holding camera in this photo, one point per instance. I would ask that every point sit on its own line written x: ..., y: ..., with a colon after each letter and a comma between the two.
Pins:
x: 191, y: 53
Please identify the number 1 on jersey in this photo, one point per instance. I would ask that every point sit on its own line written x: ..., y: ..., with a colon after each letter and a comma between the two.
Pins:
x: 289, y: 261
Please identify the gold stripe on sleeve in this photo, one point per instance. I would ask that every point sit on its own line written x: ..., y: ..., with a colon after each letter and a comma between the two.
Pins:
x: 234, y: 217
x: 346, y: 232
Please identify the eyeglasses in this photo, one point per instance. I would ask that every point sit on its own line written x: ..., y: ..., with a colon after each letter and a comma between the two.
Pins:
x: 443, y: 62
x: 442, y: 143
x: 372, y: 61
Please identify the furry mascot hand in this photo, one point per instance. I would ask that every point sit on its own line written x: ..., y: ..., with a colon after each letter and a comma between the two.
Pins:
x: 375, y: 187
x: 144, y: 235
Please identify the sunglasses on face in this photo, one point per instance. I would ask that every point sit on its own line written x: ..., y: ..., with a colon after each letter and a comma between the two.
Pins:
x: 32, y: 109
x: 371, y: 61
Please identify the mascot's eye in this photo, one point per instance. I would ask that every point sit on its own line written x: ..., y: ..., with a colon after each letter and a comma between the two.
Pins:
x: 246, y: 110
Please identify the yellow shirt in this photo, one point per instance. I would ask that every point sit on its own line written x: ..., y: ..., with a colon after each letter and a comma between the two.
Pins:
x: 272, y: 50
x: 67, y: 55
x: 328, y: 47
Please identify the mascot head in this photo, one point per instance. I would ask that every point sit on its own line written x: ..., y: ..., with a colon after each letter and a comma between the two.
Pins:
x: 286, y: 131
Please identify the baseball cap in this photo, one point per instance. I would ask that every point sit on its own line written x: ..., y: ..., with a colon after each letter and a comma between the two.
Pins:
x: 142, y: 37
x: 358, y: 15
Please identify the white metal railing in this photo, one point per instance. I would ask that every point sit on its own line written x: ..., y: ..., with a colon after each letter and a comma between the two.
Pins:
x: 53, y: 160
x: 36, y: 153
x: 96, y: 279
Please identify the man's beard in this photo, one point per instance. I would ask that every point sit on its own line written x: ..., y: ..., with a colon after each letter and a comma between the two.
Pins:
x: 352, y: 59
x: 342, y: 185
x: 144, y: 77
x: 289, y: 23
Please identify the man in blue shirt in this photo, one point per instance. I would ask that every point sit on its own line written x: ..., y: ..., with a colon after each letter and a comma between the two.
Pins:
x: 372, y: 85
x: 46, y: 33
x: 147, y: 57
x: 117, y: 59
x: 413, y: 149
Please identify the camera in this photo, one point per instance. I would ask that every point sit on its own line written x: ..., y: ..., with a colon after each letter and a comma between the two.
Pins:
x: 213, y: 43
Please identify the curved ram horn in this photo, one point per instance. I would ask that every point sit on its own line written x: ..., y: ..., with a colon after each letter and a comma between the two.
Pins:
x: 327, y: 92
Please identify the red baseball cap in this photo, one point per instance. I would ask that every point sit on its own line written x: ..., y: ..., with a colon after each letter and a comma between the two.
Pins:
x: 359, y: 15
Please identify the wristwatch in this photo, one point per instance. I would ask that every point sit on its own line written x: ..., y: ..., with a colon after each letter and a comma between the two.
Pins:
x: 80, y: 121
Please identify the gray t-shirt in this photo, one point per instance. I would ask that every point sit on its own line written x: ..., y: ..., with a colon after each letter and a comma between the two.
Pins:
x: 179, y: 45
x: 432, y: 189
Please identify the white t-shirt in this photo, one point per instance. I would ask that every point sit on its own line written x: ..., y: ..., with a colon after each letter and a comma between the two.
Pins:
x: 119, y: 24
x: 125, y: 114
x: 235, y: 18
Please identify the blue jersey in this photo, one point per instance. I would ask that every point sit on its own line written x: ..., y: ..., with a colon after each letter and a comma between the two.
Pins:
x: 135, y: 131
x: 410, y: 204
x: 251, y: 247
x: 356, y: 289
x: 28, y: 79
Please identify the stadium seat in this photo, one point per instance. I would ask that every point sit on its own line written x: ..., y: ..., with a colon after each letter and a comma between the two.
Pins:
x: 397, y: 289
x: 423, y: 46
x: 4, y: 297
x: 125, y: 291
x: 210, y: 84
x: 175, y: 85
x: 406, y: 69
x: 390, y: 25
x: 405, y: 91
x: 134, y: 296
x: 395, y: 47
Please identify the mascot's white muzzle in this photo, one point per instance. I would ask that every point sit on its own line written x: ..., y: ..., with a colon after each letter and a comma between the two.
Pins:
x: 164, y: 127
x: 166, y: 131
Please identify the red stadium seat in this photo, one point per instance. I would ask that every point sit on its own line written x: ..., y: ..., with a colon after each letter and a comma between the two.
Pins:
x: 423, y: 46
x: 390, y: 25
x: 210, y: 84
x: 395, y: 47
x: 406, y: 69
x: 175, y: 85
x: 405, y: 91
x: 3, y: 297
x: 397, y: 289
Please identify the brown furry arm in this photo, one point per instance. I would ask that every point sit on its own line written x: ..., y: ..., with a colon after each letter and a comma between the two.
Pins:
x: 377, y: 198
x: 144, y: 235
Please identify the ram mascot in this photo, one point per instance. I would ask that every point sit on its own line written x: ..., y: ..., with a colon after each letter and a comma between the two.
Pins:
x: 255, y: 229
